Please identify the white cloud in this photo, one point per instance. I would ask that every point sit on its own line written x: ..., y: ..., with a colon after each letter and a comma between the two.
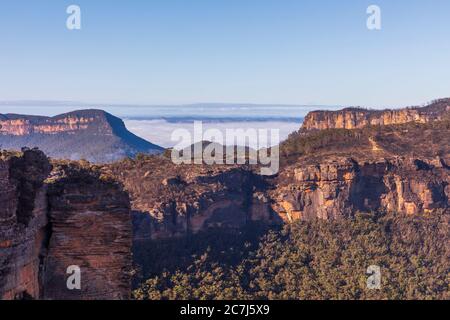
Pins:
x: 160, y: 131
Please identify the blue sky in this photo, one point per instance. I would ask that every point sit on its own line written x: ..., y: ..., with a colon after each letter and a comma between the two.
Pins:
x: 249, y: 51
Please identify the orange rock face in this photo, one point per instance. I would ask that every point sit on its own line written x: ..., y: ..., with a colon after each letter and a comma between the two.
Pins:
x: 22, y: 127
x: 341, y: 187
x: 355, y: 118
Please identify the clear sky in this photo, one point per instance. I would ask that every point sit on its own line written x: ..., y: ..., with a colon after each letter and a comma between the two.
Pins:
x: 249, y: 51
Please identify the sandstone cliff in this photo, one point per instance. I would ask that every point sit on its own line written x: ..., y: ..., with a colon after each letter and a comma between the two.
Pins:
x: 334, y: 173
x: 91, y: 228
x: 355, y: 118
x: 95, y: 121
x: 94, y: 135
x: 74, y: 218
x: 79, y: 214
x: 174, y: 200
x: 328, y: 174
x: 340, y: 187
x: 23, y: 224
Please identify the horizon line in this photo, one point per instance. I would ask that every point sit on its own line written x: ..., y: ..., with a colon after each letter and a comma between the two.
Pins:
x: 69, y: 103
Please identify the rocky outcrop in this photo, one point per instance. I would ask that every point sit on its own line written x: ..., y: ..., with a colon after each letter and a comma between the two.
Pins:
x: 91, y: 228
x: 220, y: 198
x: 18, y: 125
x: 339, y: 188
x: 389, y: 160
x: 356, y: 118
x: 75, y: 218
x: 23, y: 223
x: 171, y: 200
x: 384, y: 169
x: 79, y: 215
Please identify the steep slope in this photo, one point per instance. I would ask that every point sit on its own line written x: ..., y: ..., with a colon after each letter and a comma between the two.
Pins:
x: 340, y: 187
x: 91, y: 228
x: 23, y: 223
x: 74, y: 218
x: 349, y: 198
x: 330, y: 172
x: 171, y: 200
x: 94, y: 135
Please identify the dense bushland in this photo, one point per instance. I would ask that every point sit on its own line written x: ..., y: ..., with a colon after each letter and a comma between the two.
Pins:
x: 314, y: 260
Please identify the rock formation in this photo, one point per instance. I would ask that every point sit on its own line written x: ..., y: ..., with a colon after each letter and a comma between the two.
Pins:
x: 357, y: 160
x: 23, y: 224
x: 73, y: 218
x: 173, y: 200
x: 78, y: 214
x: 356, y: 118
x: 328, y: 174
x: 338, y: 188
x: 91, y: 228
x: 94, y: 135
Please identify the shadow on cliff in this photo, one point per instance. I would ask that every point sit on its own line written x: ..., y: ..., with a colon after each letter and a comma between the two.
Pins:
x: 224, y: 246
x: 366, y: 193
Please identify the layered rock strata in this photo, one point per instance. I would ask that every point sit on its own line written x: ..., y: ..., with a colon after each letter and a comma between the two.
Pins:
x: 73, y: 219
x: 356, y: 118
x: 338, y: 188
x: 91, y: 228
x: 23, y: 224
x: 71, y: 123
x: 174, y: 200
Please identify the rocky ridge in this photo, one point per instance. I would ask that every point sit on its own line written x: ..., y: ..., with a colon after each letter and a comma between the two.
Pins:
x: 174, y: 200
x: 340, y: 187
x: 328, y: 174
x: 81, y: 215
x: 350, y: 161
x: 357, y: 118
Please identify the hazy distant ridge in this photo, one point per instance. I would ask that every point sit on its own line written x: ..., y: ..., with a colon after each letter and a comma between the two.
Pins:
x: 94, y: 135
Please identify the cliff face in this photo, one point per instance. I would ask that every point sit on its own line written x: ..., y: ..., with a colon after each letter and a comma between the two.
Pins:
x: 75, y: 218
x: 91, y: 228
x: 21, y: 125
x: 338, y: 188
x: 194, y: 199
x: 94, y: 135
x: 355, y: 118
x: 174, y: 200
x: 23, y: 224
x: 339, y: 165
x: 78, y: 215
x: 327, y: 174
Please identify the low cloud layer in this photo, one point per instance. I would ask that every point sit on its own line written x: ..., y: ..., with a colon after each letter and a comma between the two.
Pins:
x: 160, y: 131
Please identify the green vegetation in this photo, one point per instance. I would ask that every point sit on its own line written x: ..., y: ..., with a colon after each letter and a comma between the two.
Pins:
x: 228, y: 246
x: 323, y: 141
x: 416, y: 139
x: 314, y: 260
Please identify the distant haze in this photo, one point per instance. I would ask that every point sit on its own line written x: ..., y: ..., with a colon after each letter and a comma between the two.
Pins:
x: 156, y: 123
